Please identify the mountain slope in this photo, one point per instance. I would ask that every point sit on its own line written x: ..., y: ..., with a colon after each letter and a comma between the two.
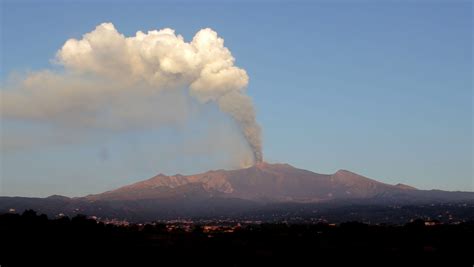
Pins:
x: 262, y: 182
x: 261, y: 190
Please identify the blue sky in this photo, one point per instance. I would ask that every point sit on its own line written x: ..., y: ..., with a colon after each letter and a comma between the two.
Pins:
x: 384, y: 90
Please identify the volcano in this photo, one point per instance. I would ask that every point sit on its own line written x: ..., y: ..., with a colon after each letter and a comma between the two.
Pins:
x: 266, y: 182
x: 234, y: 192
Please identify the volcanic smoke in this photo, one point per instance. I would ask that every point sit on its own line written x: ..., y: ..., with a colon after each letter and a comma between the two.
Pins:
x: 104, y: 72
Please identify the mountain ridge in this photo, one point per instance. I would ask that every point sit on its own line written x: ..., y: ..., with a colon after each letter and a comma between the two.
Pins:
x: 261, y: 182
x: 260, y: 190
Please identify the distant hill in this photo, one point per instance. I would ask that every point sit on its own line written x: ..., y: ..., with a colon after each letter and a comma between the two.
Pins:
x: 224, y: 192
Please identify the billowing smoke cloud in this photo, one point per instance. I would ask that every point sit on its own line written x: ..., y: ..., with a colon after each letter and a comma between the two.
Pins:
x: 112, y: 81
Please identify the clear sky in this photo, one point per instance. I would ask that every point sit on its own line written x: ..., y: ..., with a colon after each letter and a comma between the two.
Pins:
x: 384, y: 90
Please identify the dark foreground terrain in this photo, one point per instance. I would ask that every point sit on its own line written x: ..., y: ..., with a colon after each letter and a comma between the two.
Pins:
x: 34, y: 240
